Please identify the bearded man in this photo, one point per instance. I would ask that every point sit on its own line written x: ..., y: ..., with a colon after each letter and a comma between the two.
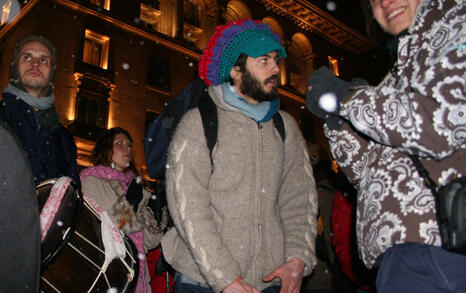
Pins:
x: 245, y: 214
x: 28, y: 108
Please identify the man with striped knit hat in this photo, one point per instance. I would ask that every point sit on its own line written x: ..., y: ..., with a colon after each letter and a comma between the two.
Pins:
x: 244, y: 213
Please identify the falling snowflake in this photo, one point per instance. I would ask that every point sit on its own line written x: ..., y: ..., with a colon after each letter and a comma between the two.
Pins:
x: 331, y: 6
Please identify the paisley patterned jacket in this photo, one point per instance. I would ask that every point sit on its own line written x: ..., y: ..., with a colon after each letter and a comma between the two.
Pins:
x: 419, y: 109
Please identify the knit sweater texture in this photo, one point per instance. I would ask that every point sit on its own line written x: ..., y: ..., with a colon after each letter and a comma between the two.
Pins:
x: 247, y: 213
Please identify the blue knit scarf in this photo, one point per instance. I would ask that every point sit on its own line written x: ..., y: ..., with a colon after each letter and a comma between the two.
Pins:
x: 261, y: 112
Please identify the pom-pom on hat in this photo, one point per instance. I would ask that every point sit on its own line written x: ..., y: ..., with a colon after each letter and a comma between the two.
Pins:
x: 251, y: 37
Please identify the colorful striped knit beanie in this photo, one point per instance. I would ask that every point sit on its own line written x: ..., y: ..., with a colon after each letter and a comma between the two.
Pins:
x: 251, y: 37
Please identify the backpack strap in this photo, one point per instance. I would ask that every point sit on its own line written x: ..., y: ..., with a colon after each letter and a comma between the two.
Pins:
x: 208, y: 112
x: 279, y: 125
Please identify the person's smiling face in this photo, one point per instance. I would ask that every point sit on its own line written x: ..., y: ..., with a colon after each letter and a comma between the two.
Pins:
x: 394, y: 16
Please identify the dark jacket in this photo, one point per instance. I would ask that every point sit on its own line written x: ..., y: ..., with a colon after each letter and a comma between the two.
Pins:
x: 49, y: 147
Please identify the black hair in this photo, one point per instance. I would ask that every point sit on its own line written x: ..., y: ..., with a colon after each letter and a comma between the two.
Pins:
x: 241, y: 62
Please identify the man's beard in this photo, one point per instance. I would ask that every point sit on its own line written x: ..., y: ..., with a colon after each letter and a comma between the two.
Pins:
x: 252, y: 87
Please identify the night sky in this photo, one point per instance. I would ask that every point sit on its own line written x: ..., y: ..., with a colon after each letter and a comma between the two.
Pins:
x: 347, y: 11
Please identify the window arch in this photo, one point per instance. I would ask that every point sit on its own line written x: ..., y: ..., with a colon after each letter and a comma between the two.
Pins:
x: 275, y: 26
x: 192, y: 12
x: 237, y: 9
x: 300, y: 61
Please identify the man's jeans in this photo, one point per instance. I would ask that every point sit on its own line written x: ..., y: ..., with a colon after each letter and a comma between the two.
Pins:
x: 415, y: 267
x: 184, y: 284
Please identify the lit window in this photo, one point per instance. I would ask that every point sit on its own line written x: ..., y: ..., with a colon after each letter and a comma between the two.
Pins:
x: 92, y: 106
x: 155, y: 4
x: 333, y: 65
x: 105, y: 4
x: 95, y: 50
x: 191, y: 13
x: 6, y: 8
x: 92, y: 110
x: 149, y: 13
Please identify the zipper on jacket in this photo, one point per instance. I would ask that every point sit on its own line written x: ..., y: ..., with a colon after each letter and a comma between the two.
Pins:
x: 257, y: 202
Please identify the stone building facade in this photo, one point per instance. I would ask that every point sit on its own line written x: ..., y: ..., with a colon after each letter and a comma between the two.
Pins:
x: 119, y: 62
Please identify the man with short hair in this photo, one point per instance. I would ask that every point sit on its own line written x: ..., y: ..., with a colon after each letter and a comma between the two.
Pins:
x: 28, y: 108
x: 245, y: 214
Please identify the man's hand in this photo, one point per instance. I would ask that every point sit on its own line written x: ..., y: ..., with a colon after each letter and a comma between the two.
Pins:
x: 291, y: 275
x: 240, y: 287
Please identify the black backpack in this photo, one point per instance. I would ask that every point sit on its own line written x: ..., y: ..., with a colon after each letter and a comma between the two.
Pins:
x: 159, y: 133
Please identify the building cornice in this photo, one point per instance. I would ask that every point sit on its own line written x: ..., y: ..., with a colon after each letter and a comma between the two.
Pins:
x: 130, y: 28
x: 151, y: 36
x: 289, y: 95
x: 25, y: 8
x: 312, y: 19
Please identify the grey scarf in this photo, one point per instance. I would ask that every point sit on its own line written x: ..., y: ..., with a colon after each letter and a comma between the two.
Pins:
x: 40, y: 103
x: 46, y: 105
